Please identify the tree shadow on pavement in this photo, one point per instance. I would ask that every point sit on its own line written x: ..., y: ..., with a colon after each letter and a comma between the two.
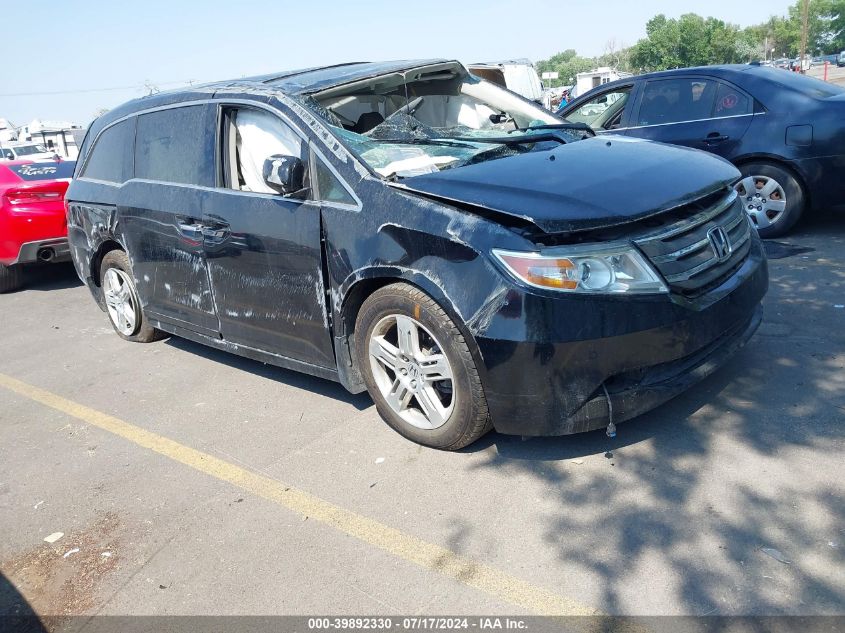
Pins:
x: 729, y: 498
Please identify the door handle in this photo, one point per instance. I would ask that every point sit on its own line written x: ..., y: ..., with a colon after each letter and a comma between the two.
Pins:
x: 215, y: 231
x: 189, y: 228
x: 715, y: 137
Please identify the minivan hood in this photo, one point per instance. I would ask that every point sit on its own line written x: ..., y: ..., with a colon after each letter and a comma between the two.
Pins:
x: 595, y: 183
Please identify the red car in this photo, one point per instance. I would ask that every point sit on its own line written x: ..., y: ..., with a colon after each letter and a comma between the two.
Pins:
x: 33, y: 226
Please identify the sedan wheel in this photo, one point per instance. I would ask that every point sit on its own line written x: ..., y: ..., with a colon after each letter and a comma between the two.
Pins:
x: 764, y: 199
x: 412, y: 373
x: 772, y: 196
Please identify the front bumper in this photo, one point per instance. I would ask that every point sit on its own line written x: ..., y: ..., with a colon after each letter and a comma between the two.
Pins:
x: 662, y: 382
x: 643, y: 350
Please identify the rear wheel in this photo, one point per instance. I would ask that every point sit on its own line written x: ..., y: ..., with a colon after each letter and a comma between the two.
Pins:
x: 10, y: 278
x: 772, y: 197
x: 122, y: 302
x: 419, y: 370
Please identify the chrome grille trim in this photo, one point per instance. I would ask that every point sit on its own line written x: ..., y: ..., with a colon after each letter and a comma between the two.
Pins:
x: 686, y: 250
x: 692, y: 272
x: 669, y: 257
x: 743, y: 239
x: 699, y: 218
x: 683, y: 253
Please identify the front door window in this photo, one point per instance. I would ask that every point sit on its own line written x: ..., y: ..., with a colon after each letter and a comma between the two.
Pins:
x: 602, y: 112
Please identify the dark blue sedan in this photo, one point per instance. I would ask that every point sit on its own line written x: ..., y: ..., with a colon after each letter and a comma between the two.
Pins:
x: 784, y: 131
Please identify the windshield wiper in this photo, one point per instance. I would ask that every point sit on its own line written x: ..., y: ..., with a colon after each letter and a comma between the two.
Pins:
x: 579, y: 127
x: 515, y: 140
x: 424, y: 141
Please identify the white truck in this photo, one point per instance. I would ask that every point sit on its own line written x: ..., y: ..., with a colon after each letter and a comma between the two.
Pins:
x: 25, y: 151
x: 517, y: 75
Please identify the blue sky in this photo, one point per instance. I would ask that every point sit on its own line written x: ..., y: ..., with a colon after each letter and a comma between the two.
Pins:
x: 88, y: 46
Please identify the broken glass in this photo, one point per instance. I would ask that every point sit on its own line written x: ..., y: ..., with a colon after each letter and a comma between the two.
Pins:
x: 441, y: 120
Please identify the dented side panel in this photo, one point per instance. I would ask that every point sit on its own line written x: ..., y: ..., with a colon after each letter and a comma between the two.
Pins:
x: 90, y: 228
x: 159, y: 227
x: 266, y: 274
x: 401, y: 237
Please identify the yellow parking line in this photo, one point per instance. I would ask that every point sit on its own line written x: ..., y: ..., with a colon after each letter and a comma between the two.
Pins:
x: 494, y: 582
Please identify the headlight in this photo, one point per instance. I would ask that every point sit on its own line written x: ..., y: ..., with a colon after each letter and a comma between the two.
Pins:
x: 594, y: 269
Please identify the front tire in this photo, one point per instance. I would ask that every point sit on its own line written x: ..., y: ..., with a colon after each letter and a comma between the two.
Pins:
x: 772, y: 197
x: 11, y: 278
x: 121, y: 300
x: 419, y: 370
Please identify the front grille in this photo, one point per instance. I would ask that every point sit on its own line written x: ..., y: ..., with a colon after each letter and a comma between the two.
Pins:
x: 684, y: 253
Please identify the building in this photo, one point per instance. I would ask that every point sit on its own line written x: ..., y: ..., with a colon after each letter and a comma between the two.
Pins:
x: 8, y: 132
x: 585, y: 82
x: 61, y: 137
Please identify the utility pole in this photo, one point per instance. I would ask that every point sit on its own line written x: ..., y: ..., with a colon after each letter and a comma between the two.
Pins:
x: 805, y: 19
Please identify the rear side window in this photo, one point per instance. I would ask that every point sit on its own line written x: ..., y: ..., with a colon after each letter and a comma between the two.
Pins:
x: 675, y: 100
x: 731, y: 102
x: 175, y: 146
x: 111, y: 156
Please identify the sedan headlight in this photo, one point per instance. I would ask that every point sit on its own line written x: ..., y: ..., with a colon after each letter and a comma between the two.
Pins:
x: 594, y: 269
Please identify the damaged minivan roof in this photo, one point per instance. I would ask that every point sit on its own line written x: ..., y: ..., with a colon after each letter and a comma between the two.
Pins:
x: 293, y: 82
x: 310, y: 80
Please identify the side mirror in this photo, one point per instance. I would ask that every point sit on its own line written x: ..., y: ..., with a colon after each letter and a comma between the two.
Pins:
x: 284, y: 174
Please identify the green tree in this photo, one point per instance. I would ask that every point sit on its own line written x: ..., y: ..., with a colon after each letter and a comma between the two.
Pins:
x: 825, y: 30
x: 693, y: 40
x: 567, y: 64
x: 827, y: 25
x: 615, y: 55
x: 690, y: 40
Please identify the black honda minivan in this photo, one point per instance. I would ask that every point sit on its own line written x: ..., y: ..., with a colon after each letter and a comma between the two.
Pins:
x: 411, y: 230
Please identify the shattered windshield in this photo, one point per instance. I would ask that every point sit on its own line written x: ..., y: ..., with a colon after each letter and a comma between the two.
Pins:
x: 436, y: 118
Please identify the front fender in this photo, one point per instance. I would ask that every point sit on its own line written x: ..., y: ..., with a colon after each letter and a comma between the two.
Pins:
x: 354, y: 291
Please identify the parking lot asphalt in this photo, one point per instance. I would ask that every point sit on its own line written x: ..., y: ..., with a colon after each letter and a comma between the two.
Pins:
x: 188, y: 481
x: 835, y: 74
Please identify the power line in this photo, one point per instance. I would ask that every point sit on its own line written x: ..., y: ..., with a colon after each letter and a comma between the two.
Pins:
x: 142, y: 86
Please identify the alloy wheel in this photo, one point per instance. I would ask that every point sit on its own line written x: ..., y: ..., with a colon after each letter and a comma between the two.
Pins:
x: 120, y: 301
x: 411, y: 371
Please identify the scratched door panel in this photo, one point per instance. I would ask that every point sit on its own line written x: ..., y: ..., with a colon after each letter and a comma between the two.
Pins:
x: 161, y: 209
x: 266, y: 274
x: 167, y: 253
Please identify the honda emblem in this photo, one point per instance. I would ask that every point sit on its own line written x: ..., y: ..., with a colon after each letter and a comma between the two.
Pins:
x: 720, y: 242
